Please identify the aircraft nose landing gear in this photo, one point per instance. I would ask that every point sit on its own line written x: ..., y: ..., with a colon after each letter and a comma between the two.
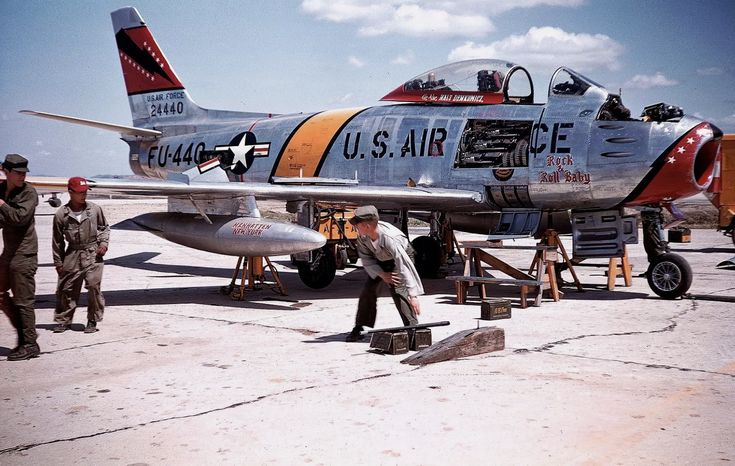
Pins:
x: 669, y: 276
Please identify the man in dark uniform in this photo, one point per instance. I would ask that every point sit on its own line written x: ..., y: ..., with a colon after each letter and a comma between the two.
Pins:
x: 80, y: 238
x: 19, y: 259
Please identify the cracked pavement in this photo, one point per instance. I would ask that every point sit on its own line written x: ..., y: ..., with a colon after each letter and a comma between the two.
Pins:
x: 180, y: 374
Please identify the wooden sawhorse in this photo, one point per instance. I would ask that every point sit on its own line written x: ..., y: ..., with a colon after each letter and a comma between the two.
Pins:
x: 253, y: 277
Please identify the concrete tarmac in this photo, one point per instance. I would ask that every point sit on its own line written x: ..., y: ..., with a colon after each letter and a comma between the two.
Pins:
x: 181, y: 374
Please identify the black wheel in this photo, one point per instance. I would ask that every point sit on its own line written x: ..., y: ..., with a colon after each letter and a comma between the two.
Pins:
x: 669, y: 276
x: 428, y: 256
x: 321, y: 271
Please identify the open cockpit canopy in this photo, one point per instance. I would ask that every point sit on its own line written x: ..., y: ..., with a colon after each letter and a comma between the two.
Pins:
x: 471, y: 82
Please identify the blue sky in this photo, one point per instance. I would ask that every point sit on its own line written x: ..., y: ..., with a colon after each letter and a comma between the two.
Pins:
x: 309, y: 55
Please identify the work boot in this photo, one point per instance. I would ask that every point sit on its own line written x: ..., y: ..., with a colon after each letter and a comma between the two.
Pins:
x: 61, y: 328
x: 91, y: 327
x: 24, y: 352
x: 355, y: 334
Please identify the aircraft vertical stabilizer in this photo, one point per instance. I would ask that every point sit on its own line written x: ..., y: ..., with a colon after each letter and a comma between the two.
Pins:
x: 155, y: 92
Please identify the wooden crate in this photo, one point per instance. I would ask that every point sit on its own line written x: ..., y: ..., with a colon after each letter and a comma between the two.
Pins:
x: 390, y: 342
x: 680, y: 235
x: 419, y: 339
x: 493, y: 309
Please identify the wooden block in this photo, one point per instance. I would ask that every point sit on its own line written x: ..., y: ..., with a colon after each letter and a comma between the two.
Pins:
x: 492, y: 309
x: 461, y: 344
x: 680, y: 235
x: 390, y: 342
x: 419, y: 339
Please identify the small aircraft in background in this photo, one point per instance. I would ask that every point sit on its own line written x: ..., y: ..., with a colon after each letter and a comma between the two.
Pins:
x: 463, y: 146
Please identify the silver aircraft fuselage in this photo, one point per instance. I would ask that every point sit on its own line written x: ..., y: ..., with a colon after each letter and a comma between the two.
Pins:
x: 544, y: 156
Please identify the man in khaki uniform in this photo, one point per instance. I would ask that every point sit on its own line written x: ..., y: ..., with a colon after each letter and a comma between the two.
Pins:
x: 19, y: 259
x: 387, y: 257
x: 80, y: 239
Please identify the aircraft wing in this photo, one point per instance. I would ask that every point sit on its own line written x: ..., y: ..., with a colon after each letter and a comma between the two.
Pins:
x: 418, y: 197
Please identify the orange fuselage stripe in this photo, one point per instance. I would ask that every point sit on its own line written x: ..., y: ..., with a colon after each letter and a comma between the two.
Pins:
x: 310, y: 142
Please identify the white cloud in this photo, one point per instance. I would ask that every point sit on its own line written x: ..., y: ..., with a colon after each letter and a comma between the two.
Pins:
x: 417, y: 21
x: 38, y: 143
x: 356, y: 62
x: 425, y: 18
x: 401, y: 17
x: 405, y: 58
x: 548, y: 48
x: 642, y: 81
x: 344, y: 11
x: 712, y: 71
x: 497, y: 8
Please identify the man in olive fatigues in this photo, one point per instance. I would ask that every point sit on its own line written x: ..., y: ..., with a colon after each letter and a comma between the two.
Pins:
x: 19, y: 259
x: 80, y: 239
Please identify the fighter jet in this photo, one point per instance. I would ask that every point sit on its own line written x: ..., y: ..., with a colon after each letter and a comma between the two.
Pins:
x: 464, y: 146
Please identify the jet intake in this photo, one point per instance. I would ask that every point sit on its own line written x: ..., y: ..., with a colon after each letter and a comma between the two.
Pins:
x: 685, y: 170
x: 233, y: 236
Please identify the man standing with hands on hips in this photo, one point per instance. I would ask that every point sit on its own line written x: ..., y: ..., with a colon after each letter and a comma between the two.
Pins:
x: 387, y: 257
x: 19, y: 259
x: 80, y: 238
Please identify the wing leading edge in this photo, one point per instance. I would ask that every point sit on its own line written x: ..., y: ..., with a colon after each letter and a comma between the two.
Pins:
x: 385, y: 197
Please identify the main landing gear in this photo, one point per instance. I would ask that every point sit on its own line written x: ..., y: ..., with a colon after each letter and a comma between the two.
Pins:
x: 669, y: 275
x: 427, y: 255
x: 320, y: 271
x: 318, y: 268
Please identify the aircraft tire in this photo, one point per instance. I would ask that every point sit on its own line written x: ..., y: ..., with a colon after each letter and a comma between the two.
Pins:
x: 54, y: 202
x: 321, y: 272
x: 428, y: 256
x: 669, y: 276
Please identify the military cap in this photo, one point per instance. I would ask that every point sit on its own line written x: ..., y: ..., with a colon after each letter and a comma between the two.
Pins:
x: 15, y: 162
x: 363, y: 213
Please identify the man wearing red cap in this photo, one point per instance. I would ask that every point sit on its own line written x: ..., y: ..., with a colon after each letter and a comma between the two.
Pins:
x: 80, y: 239
x: 19, y: 259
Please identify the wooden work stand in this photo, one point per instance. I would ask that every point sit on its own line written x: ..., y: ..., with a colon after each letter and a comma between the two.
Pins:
x: 616, y: 267
x: 541, y: 275
x: 624, y: 269
x: 253, y: 277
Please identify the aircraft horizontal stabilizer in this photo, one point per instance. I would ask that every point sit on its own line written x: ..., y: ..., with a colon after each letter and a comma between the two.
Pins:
x: 123, y: 130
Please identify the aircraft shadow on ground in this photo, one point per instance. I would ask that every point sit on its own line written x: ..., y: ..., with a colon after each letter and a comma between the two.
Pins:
x: 141, y: 261
x: 346, y: 285
x: 206, y: 295
x: 706, y: 250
